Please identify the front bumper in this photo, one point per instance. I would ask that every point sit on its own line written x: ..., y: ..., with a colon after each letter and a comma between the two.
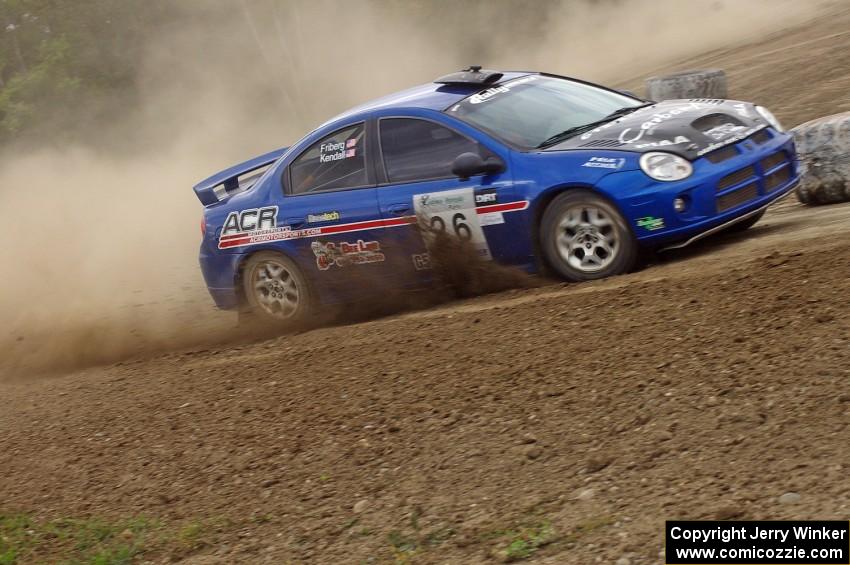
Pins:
x: 729, y: 223
x: 748, y: 180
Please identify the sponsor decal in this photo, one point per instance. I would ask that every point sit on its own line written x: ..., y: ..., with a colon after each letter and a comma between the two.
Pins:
x: 605, y: 162
x: 723, y: 130
x: 734, y: 139
x: 441, y: 200
x: 741, y: 109
x: 663, y: 142
x: 486, y: 196
x: 486, y: 95
x: 421, y: 261
x: 491, y: 219
x: 628, y: 136
x: 343, y: 254
x: 323, y: 217
x: 453, y: 212
x: 250, y: 220
x: 234, y: 236
x: 331, y: 151
x: 650, y: 223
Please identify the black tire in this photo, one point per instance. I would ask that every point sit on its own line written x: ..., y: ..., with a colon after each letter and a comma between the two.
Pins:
x: 746, y: 224
x: 574, y: 245
x: 285, y: 300
x: 823, y: 146
x: 710, y: 83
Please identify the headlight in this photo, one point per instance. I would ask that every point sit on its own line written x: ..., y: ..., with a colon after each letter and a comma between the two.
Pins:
x: 665, y: 166
x: 769, y: 118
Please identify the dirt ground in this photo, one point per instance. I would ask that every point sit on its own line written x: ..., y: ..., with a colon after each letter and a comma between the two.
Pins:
x: 560, y: 424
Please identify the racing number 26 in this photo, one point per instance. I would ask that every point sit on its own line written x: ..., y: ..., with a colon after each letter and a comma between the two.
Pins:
x: 461, y: 230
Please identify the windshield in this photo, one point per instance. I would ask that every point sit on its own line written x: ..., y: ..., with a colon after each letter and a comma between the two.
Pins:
x: 527, y: 111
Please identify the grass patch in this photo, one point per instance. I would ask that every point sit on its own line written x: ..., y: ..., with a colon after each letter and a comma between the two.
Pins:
x: 402, y: 543
x: 93, y: 541
x: 524, y: 542
x: 412, y: 541
x: 74, y: 541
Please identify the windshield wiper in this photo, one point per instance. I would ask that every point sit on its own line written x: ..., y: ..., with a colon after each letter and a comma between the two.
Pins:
x: 570, y: 132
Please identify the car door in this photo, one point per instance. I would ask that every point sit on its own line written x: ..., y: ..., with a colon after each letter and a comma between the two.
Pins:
x: 417, y: 183
x: 330, y: 204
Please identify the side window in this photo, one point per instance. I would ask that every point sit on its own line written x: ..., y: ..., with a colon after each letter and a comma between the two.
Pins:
x: 416, y: 150
x: 337, y: 161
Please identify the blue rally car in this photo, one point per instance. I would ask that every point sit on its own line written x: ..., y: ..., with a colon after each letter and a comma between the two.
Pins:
x: 533, y: 169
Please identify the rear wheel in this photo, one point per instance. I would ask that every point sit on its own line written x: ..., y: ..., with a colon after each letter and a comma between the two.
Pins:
x: 584, y: 237
x: 276, y: 292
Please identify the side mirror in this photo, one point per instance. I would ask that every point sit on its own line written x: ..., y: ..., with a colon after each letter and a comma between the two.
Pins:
x: 470, y: 164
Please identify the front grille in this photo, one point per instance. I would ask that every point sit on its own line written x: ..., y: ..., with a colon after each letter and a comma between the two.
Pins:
x: 761, y: 136
x: 737, y: 177
x: 737, y: 197
x: 773, y: 160
x: 777, y: 179
x: 723, y: 154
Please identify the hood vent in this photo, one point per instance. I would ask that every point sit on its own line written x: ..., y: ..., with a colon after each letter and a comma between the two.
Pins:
x: 706, y: 123
x: 602, y: 143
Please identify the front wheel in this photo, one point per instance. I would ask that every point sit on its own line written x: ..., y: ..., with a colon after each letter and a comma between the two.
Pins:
x: 276, y: 292
x: 584, y: 237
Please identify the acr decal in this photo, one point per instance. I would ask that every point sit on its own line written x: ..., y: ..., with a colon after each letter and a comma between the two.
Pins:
x: 323, y: 217
x: 330, y: 152
x: 343, y: 254
x: 650, y: 223
x: 605, y: 162
x: 250, y: 220
x: 421, y: 261
x: 285, y: 233
x: 734, y: 139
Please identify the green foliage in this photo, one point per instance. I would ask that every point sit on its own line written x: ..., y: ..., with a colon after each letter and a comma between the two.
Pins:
x: 56, y: 57
x: 524, y: 542
x: 93, y: 541
x: 85, y: 541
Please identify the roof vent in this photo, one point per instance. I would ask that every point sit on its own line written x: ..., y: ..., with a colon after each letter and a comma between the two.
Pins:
x: 473, y: 75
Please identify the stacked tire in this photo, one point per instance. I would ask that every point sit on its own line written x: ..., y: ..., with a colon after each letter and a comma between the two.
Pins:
x: 823, y: 146
x: 710, y: 83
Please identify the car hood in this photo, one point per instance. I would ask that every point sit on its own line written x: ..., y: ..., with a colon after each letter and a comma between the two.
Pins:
x: 690, y: 128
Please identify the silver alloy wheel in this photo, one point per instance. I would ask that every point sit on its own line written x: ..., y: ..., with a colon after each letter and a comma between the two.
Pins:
x: 275, y: 289
x: 587, y: 238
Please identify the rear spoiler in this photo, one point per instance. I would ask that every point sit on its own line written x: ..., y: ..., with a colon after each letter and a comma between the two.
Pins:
x: 220, y: 185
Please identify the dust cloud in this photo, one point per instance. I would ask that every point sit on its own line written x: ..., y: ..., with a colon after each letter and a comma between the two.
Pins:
x: 100, y: 260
